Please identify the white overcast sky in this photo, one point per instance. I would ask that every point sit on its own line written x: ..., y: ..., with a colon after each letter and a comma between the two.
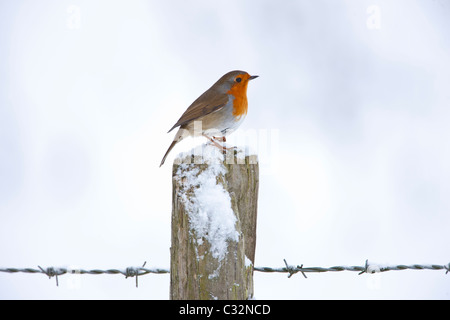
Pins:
x: 350, y: 117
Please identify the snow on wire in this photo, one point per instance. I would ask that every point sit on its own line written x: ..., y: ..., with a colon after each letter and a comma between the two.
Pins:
x: 131, y: 272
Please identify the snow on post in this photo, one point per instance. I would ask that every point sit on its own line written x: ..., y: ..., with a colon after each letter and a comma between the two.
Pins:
x: 214, y: 205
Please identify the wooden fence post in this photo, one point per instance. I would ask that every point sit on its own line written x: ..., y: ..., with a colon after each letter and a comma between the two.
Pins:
x: 214, y: 206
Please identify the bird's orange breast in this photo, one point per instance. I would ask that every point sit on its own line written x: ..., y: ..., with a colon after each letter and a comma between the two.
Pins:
x: 240, y: 104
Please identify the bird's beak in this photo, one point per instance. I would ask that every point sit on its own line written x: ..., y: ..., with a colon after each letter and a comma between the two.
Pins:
x: 253, y: 77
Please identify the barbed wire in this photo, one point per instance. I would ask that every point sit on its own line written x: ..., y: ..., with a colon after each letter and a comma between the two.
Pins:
x: 51, y: 272
x: 367, y: 268
x: 131, y: 272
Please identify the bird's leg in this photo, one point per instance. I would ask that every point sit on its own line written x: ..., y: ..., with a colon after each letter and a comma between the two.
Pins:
x: 215, y: 143
x: 222, y: 139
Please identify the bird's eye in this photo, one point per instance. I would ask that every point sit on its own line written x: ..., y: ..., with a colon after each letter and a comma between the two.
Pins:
x: 238, y: 79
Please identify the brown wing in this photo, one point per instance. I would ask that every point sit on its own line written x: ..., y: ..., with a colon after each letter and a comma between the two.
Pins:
x: 207, y: 103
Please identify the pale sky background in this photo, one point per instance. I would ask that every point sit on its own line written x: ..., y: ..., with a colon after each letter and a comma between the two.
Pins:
x: 350, y: 117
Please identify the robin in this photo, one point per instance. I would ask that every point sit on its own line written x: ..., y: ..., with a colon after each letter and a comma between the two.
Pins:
x: 221, y: 109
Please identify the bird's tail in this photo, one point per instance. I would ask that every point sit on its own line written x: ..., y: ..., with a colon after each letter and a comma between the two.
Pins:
x: 181, y: 134
x: 174, y: 142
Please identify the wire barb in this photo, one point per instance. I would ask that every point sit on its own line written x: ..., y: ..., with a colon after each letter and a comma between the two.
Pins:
x: 134, y: 272
x: 366, y: 266
x: 53, y: 272
x: 293, y: 270
x: 303, y: 273
x: 289, y: 269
